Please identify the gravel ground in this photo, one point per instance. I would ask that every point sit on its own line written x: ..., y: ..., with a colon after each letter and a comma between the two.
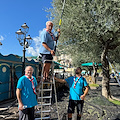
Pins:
x: 96, y: 107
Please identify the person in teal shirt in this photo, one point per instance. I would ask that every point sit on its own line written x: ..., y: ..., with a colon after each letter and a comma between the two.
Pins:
x: 26, y: 95
x: 77, y: 95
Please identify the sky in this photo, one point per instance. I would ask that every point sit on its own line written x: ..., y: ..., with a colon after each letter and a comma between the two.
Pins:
x: 13, y: 14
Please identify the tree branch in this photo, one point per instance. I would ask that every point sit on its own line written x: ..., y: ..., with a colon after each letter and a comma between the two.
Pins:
x: 101, y: 40
x: 112, y: 47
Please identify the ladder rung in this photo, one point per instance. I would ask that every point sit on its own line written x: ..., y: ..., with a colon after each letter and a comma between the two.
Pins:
x: 47, y: 82
x: 44, y: 111
x: 46, y: 90
x: 45, y: 97
x: 42, y: 118
x: 44, y: 104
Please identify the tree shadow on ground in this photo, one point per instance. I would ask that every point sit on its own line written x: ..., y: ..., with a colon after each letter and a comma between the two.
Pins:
x: 61, y: 93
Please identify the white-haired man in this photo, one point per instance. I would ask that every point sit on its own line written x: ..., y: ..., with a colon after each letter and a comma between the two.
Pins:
x: 47, y: 47
x: 26, y: 95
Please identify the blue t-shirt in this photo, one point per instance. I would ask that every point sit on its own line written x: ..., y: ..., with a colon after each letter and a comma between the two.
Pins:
x: 27, y: 95
x: 76, y: 92
x: 46, y: 38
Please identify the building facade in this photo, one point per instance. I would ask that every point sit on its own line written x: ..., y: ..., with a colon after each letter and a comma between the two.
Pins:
x: 10, y: 72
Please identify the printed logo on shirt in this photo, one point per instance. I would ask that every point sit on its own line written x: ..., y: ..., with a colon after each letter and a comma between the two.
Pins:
x: 78, y: 82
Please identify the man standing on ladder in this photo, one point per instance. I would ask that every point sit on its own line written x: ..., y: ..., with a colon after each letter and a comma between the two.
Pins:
x: 47, y: 47
x: 77, y: 95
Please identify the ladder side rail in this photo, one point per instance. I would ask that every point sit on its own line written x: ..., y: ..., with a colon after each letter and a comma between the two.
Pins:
x: 56, y: 98
x: 42, y: 90
x: 52, y: 70
x: 55, y: 95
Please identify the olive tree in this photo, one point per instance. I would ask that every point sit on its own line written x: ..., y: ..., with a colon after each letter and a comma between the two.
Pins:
x: 92, y: 26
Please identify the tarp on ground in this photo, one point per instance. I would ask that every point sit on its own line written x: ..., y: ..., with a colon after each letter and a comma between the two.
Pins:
x: 58, y: 67
x: 90, y: 64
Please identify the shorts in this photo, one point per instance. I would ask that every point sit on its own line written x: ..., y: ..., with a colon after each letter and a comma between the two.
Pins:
x: 26, y: 114
x: 46, y: 57
x: 75, y: 103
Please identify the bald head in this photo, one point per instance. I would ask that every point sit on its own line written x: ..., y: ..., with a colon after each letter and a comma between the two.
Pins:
x: 29, y: 71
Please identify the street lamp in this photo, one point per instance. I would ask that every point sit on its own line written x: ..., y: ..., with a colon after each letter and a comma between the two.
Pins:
x: 24, y: 41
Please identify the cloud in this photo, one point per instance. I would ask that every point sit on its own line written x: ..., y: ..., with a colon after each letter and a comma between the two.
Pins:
x: 34, y: 51
x: 1, y: 38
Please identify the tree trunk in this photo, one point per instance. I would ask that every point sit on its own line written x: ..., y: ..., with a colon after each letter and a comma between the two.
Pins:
x: 94, y: 73
x: 105, y: 71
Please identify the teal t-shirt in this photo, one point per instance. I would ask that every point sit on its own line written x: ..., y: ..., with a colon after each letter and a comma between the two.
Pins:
x: 27, y: 95
x: 76, y: 92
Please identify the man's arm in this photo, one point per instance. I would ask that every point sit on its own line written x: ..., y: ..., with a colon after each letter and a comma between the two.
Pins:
x: 19, y: 99
x: 60, y: 80
x: 85, y: 93
x: 46, y: 46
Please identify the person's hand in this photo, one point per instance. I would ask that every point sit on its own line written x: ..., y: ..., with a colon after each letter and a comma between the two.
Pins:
x: 82, y: 97
x: 52, y: 52
x: 20, y: 106
x: 58, y: 30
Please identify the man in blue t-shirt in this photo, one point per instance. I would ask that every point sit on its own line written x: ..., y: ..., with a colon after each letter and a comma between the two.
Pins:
x: 47, y: 47
x: 26, y: 95
x: 77, y: 95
